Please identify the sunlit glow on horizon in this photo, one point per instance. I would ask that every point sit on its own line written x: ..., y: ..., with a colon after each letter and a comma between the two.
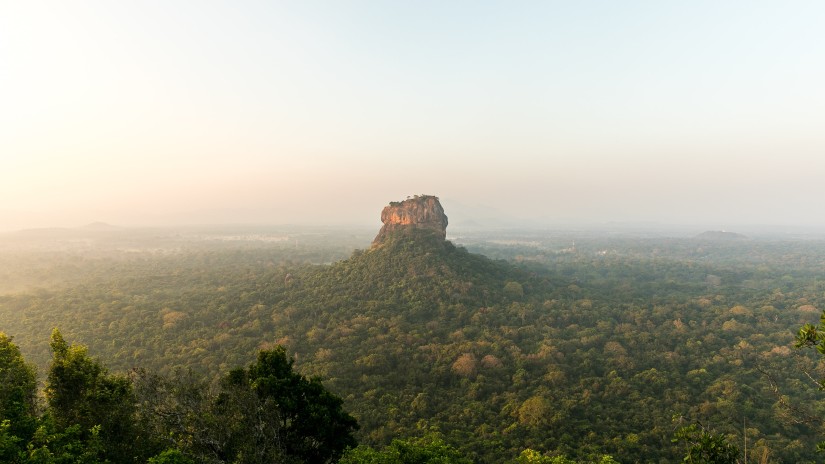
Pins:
x: 549, y: 112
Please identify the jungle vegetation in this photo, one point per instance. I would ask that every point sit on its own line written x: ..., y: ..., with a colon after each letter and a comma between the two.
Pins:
x: 616, y: 346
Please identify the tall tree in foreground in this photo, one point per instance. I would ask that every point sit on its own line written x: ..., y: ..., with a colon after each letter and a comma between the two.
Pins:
x: 82, y: 394
x: 176, y: 412
x: 278, y: 412
x: 265, y: 413
x: 18, y: 387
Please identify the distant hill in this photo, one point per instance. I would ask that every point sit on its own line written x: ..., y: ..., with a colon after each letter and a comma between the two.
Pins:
x: 719, y: 235
x: 99, y: 226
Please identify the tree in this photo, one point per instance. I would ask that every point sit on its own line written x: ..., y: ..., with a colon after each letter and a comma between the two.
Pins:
x: 262, y: 414
x: 535, y: 411
x: 81, y: 393
x: 530, y: 456
x: 513, y: 290
x: 813, y: 336
x: 177, y: 413
x: 274, y: 410
x: 427, y: 450
x: 171, y: 456
x: 705, y: 447
x: 72, y: 445
x: 18, y: 389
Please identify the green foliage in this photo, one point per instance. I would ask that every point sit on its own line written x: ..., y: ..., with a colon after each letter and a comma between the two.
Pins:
x: 427, y: 450
x: 81, y: 393
x: 18, y: 387
x: 530, y: 456
x: 27, y: 438
x: 71, y: 445
x: 9, y: 443
x: 265, y: 413
x: 310, y: 424
x: 171, y: 456
x: 177, y: 411
x: 513, y: 290
x: 812, y: 336
x: 705, y: 447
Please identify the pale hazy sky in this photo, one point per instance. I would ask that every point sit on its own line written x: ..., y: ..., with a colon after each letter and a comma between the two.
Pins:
x: 139, y: 112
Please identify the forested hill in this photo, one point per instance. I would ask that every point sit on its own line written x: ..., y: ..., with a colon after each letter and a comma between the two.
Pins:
x: 414, y: 275
x: 578, y: 353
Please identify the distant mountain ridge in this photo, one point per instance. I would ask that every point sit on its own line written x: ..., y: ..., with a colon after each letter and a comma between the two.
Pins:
x: 99, y: 226
x: 719, y: 235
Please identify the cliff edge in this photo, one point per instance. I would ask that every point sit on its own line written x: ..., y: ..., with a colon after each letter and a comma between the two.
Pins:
x: 419, y: 212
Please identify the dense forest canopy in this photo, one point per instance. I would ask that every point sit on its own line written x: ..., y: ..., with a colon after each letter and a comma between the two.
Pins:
x: 605, y: 345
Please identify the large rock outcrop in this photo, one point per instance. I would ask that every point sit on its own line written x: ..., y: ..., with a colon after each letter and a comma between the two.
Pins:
x: 421, y: 212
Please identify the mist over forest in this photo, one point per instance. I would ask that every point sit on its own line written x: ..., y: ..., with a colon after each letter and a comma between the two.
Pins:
x: 492, y: 346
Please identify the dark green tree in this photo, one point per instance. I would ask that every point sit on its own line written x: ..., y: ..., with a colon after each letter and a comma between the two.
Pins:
x: 18, y: 388
x: 81, y: 393
x: 272, y: 410
x: 176, y: 411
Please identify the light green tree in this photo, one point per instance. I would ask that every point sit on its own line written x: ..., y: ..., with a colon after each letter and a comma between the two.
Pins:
x: 705, y: 447
x: 431, y: 449
x: 530, y: 456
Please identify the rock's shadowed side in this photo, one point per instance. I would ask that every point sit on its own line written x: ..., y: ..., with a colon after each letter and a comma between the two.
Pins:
x: 420, y: 212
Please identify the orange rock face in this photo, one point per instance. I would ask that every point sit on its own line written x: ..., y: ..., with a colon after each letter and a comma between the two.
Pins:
x: 419, y: 212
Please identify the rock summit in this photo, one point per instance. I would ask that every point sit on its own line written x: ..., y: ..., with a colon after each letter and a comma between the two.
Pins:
x: 421, y: 212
